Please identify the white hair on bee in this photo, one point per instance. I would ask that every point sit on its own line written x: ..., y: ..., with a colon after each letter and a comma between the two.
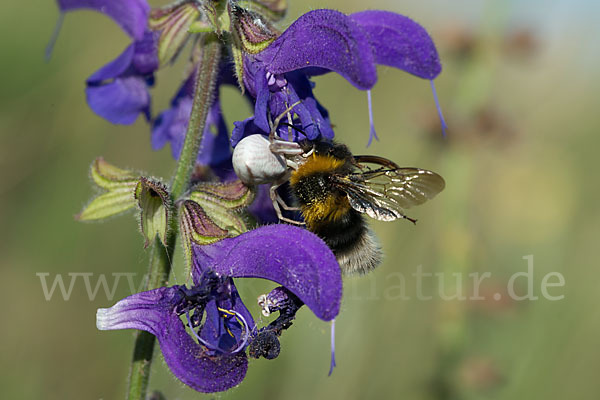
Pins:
x: 362, y: 257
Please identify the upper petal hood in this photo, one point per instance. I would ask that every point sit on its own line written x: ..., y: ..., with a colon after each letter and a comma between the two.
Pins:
x: 131, y: 15
x: 291, y: 256
x: 400, y: 42
x: 326, y: 39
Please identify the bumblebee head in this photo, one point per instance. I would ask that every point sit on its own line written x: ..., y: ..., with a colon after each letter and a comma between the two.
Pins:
x: 324, y: 148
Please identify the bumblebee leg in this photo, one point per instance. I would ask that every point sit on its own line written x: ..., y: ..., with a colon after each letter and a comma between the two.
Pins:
x: 277, y: 201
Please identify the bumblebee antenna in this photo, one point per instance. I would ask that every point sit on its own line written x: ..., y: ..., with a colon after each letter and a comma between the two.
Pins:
x: 294, y: 127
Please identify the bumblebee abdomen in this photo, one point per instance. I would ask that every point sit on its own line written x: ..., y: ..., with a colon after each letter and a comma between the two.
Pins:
x: 327, y: 213
x: 352, y: 241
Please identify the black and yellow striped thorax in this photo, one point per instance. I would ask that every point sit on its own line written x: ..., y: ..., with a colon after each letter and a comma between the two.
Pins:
x: 320, y: 201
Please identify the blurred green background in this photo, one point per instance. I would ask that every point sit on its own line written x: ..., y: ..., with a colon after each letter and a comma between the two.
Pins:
x: 520, y: 92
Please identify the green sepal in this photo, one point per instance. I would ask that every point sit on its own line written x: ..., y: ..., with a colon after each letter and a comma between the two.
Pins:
x: 238, y: 61
x: 108, y: 177
x: 200, y: 27
x: 211, y: 212
x: 232, y: 195
x: 174, y: 23
x: 119, y: 183
x: 196, y: 227
x: 155, y: 207
x: 274, y: 10
x: 252, y: 31
x: 195, y: 223
x: 223, y: 203
x: 107, y: 204
x: 211, y: 14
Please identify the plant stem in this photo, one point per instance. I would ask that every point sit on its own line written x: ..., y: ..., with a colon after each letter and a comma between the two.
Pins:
x: 206, y: 77
x: 160, y: 259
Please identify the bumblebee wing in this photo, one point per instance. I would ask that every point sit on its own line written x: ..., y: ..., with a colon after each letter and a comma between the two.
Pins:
x: 383, y: 193
x: 369, y: 204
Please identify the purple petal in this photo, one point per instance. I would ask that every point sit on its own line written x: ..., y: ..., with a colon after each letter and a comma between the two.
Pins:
x: 131, y: 15
x: 213, y: 330
x: 145, y: 59
x: 319, y: 117
x: 262, y: 206
x: 115, y: 68
x: 288, y: 255
x: 171, y: 126
x: 152, y: 312
x: 262, y: 98
x: 120, y: 101
x: 400, y: 42
x: 321, y: 125
x: 139, y: 58
x: 326, y: 39
x: 215, y: 146
x: 218, y: 335
x: 280, y: 101
x: 244, y: 128
x: 118, y: 91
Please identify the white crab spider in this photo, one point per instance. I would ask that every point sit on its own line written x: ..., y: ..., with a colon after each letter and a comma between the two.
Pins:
x: 259, y: 160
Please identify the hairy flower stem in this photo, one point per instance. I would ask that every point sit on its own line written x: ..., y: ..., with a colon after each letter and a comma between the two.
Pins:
x: 206, y: 78
x: 160, y: 260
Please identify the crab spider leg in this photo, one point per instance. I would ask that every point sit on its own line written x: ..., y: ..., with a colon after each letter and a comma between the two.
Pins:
x: 277, y: 201
x: 285, y: 148
x: 275, y: 124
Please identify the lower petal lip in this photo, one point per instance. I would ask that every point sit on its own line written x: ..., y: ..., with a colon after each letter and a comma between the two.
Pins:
x: 153, y: 312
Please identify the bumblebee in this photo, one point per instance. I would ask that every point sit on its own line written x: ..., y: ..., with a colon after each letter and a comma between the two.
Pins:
x: 335, y: 189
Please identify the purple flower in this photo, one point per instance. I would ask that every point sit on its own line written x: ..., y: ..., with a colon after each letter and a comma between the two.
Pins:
x: 131, y: 15
x: 208, y: 351
x: 171, y: 126
x: 326, y: 40
x: 118, y: 91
